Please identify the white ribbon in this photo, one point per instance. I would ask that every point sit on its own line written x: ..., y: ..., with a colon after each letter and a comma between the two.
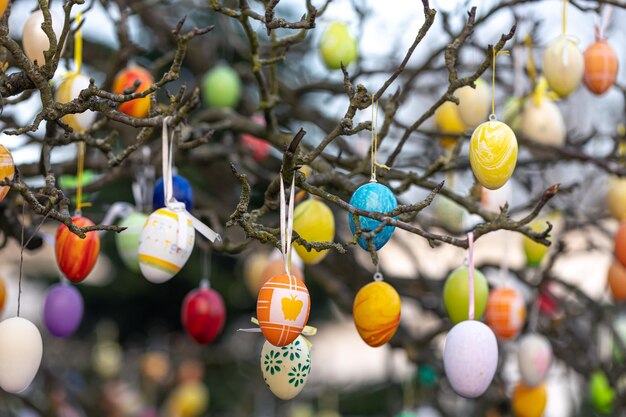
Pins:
x: 175, y: 205
x: 286, y: 223
x: 605, y: 18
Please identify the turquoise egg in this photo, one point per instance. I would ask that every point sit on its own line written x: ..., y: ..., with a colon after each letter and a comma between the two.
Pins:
x: 378, y: 198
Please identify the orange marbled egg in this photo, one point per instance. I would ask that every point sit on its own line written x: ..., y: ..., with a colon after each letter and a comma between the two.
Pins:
x: 7, y: 170
x: 282, y: 309
x: 75, y: 256
x: 600, y: 67
x: 506, y: 313
x: 126, y: 78
x: 376, y: 312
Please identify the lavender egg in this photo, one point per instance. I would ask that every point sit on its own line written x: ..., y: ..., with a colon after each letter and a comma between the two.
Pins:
x: 63, y: 310
x: 470, y: 358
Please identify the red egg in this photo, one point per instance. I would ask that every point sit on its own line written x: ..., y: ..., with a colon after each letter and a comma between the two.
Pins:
x: 260, y: 148
x: 203, y: 314
x: 75, y: 256
x: 600, y: 67
x: 620, y: 244
x: 126, y: 79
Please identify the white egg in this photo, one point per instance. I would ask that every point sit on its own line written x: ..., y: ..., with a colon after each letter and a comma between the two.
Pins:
x: 21, y: 349
x: 534, y: 356
x: 160, y: 256
x: 68, y: 90
x: 470, y: 358
x: 543, y: 122
x: 474, y: 104
x: 286, y: 369
x: 563, y: 65
x: 34, y: 39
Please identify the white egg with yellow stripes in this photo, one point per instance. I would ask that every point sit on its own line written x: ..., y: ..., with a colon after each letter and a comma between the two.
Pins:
x: 68, y: 90
x: 165, y: 244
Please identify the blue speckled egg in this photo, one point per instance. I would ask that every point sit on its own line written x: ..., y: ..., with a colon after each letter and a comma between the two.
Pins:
x: 181, y: 189
x: 373, y: 197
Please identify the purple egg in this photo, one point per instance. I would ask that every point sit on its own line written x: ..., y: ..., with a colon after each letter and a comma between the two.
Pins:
x: 63, y: 310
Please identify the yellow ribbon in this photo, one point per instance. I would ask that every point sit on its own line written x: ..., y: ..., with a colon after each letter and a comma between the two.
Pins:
x: 532, y: 69
x: 541, y: 91
x: 564, y: 17
x: 493, y: 78
x: 78, y: 45
x: 307, y: 331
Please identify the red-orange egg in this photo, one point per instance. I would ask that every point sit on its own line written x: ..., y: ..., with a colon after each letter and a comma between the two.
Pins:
x: 126, y: 78
x: 617, y: 281
x: 600, y: 67
x: 620, y: 244
x: 75, y: 256
x: 506, y: 313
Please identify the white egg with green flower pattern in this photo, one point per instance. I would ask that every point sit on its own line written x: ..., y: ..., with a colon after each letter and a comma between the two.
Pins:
x: 286, y: 369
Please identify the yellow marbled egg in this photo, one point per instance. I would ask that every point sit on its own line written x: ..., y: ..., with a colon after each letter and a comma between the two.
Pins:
x: 493, y: 154
x: 376, y: 313
x: 314, y: 222
x: 563, y: 65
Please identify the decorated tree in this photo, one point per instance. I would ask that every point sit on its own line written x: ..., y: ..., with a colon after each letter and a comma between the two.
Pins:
x: 398, y: 155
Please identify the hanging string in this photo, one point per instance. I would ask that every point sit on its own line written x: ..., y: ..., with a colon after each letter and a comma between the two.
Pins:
x: 492, y: 116
x: 374, y: 147
x: 207, y: 260
x: 470, y: 247
x: 564, y: 17
x: 378, y: 276
x: 286, y: 223
x: 78, y: 45
x: 22, y: 246
x: 534, y: 315
x: 604, y: 21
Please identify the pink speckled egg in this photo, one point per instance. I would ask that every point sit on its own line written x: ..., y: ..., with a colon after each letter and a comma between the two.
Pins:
x: 470, y: 358
x: 534, y: 356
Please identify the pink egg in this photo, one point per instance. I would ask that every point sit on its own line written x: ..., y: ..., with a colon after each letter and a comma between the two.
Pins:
x: 470, y: 358
x: 534, y: 356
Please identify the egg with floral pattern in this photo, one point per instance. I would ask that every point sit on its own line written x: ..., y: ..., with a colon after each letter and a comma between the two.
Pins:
x: 286, y: 369
x: 493, y: 154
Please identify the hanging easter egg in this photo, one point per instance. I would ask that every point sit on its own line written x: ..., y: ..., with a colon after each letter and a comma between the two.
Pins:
x: 616, y: 198
x: 376, y: 313
x: 529, y: 401
x: 127, y: 241
x: 7, y: 170
x: 338, y: 46
x: 3, y: 6
x: 563, y: 65
x: 493, y: 154
x: 203, y: 314
x: 620, y: 244
x: 253, y: 268
x: 543, y: 123
x: 34, y: 40
x: 470, y: 358
x: 535, y: 251
x: 534, y: 357
x: 474, y: 103
x: 447, y: 120
x: 68, y: 90
x: 313, y: 220
x: 600, y: 67
x: 260, y: 148
x: 601, y: 393
x: 189, y: 399
x: 285, y: 369
x: 181, y: 190
x: 63, y: 310
x: 456, y: 294
x: 221, y: 87
x: 449, y: 213
x: 3, y: 295
x: 160, y: 256
x: 125, y: 80
x: 376, y: 198
x: 76, y: 257
x: 282, y: 309
x: 617, y: 282
x: 506, y: 313
x: 21, y: 349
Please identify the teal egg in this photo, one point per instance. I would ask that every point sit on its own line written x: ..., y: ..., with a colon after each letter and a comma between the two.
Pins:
x: 127, y: 242
x: 378, y: 198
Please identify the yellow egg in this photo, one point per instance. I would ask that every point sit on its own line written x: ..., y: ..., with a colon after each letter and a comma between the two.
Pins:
x: 529, y: 402
x: 493, y: 154
x: 563, y: 65
x: 543, y: 123
x: 376, y: 313
x: 253, y: 268
x: 190, y: 399
x: 474, y: 103
x: 447, y: 120
x: 68, y: 90
x: 616, y: 198
x: 314, y: 222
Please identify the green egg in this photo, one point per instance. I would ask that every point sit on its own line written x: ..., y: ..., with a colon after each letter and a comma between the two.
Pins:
x: 456, y: 294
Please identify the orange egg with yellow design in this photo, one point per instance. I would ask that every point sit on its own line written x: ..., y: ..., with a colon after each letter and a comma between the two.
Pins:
x: 376, y: 313
x: 126, y: 80
x: 7, y: 170
x: 282, y: 309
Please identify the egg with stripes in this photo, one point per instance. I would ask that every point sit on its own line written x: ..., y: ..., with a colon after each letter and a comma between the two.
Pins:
x: 76, y: 256
x: 286, y: 368
x: 159, y: 253
x: 601, y: 67
x: 506, y: 313
x: 282, y: 309
x: 493, y: 154
x: 376, y: 313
